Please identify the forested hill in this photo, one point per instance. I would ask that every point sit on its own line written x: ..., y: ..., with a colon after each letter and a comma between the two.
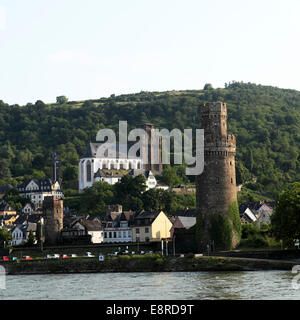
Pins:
x: 266, y: 121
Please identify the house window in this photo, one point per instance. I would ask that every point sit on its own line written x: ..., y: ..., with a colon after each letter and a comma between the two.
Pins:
x: 124, y: 234
x: 146, y: 230
x: 115, y: 234
x: 137, y: 230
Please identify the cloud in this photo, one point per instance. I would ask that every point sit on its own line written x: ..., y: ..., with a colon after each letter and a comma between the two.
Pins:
x: 2, y: 18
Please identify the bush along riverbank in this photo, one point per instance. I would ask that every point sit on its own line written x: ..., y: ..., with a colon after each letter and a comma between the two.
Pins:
x: 153, y: 263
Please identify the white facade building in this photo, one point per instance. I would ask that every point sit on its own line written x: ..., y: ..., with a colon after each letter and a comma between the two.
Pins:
x: 92, y: 228
x: 37, y: 189
x: 93, y: 168
x: 113, y: 235
x: 17, y: 236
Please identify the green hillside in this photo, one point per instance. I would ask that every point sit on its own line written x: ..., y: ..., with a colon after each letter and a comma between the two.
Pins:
x: 266, y: 121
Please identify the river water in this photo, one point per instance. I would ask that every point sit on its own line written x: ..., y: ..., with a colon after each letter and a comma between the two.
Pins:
x: 258, y: 285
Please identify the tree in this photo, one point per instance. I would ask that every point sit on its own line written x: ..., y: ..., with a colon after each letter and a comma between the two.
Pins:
x: 14, y: 199
x: 31, y: 239
x: 208, y: 86
x: 95, y: 198
x: 286, y: 219
x: 5, y: 236
x: 4, y: 169
x: 157, y: 199
x: 128, y: 190
x: 61, y: 99
x: 170, y: 177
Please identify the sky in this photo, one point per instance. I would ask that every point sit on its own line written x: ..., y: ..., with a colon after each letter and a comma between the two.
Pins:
x: 94, y: 48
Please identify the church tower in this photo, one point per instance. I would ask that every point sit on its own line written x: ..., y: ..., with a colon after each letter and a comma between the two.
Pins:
x: 148, y: 163
x: 217, y: 211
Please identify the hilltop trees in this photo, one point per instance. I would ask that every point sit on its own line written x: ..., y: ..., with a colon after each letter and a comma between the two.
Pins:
x: 61, y: 99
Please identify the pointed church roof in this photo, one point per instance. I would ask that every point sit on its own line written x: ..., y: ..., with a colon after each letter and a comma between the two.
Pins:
x: 91, y: 150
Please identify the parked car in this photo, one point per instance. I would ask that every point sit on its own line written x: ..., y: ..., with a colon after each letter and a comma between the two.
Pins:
x: 64, y: 256
x: 27, y: 258
x: 53, y: 256
x: 5, y: 258
x: 73, y: 255
x: 14, y: 258
x: 89, y: 255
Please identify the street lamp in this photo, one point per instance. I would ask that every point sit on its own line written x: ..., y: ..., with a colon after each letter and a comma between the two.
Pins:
x: 174, y: 245
x: 166, y: 247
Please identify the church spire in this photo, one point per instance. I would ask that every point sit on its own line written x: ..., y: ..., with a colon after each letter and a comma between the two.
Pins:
x: 55, y: 168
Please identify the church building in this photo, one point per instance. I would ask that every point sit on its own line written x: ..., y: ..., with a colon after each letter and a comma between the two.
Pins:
x: 93, y: 168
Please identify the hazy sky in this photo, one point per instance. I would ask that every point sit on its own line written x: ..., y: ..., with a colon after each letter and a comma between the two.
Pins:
x: 94, y: 48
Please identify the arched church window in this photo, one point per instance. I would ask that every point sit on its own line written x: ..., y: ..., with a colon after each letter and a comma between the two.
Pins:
x: 88, y: 172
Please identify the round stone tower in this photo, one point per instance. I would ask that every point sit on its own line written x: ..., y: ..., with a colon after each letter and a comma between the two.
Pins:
x: 217, y: 215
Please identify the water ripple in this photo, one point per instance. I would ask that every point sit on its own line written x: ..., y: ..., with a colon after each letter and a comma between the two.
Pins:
x: 258, y: 285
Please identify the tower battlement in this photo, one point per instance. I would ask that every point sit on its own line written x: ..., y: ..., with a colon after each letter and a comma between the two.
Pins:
x: 214, y: 107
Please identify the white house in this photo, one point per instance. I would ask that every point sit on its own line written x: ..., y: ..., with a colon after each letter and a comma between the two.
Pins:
x: 117, y: 227
x: 20, y: 233
x: 28, y: 208
x: 256, y: 211
x: 264, y: 214
x: 18, y: 236
x: 37, y: 189
x: 92, y: 228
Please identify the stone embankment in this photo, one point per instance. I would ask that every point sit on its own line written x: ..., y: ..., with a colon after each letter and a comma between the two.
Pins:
x: 143, y: 264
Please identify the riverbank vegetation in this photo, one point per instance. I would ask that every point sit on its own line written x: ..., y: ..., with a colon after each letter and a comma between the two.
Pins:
x: 255, y: 237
